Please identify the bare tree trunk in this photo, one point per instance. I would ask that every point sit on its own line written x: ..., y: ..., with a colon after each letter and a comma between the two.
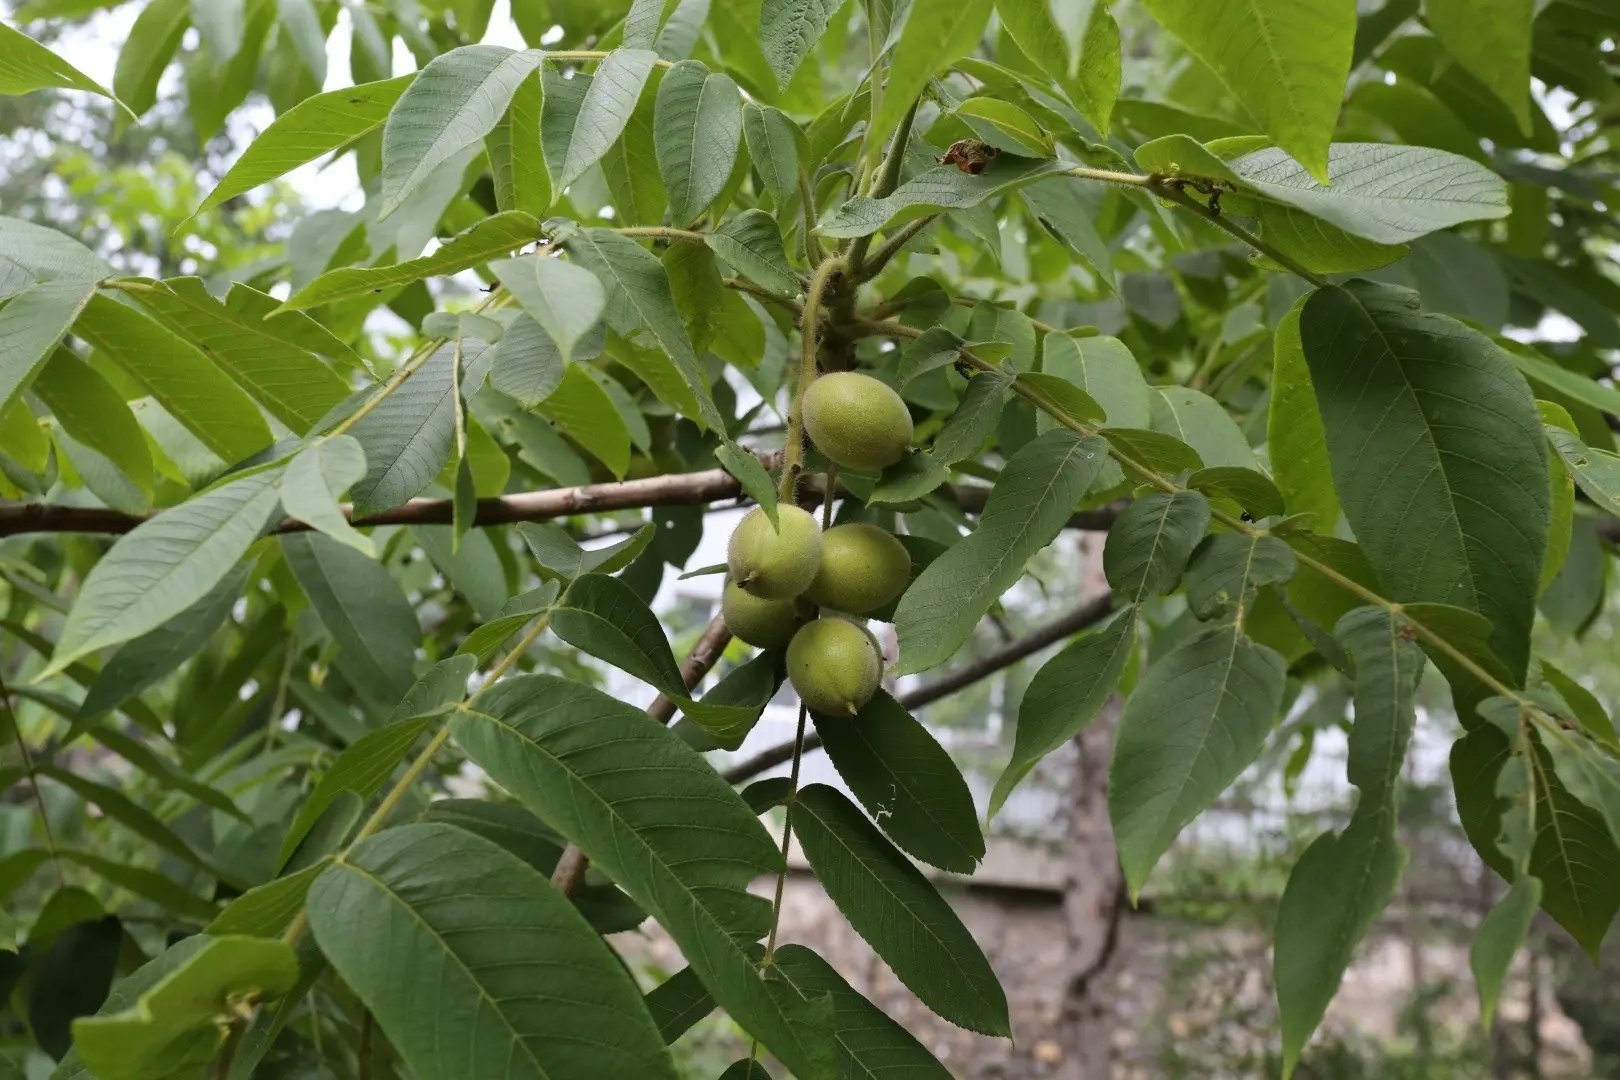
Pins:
x: 1093, y: 906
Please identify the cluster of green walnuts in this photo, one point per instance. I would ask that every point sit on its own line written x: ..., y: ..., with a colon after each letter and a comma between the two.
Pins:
x: 794, y: 585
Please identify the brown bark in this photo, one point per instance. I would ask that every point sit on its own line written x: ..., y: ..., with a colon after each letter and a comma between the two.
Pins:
x: 1093, y: 906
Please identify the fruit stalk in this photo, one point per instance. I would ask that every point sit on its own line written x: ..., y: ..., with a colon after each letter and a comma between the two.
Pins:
x: 809, y: 326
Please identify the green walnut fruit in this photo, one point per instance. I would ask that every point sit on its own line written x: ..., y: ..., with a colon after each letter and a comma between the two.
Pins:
x: 835, y: 665
x: 863, y: 567
x: 765, y: 624
x: 857, y: 421
x: 771, y: 563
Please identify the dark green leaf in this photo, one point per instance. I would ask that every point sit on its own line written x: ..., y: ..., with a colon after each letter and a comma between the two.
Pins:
x: 752, y: 243
x: 1064, y: 697
x: 408, y: 437
x: 1030, y: 503
x: 906, y: 781
x: 1228, y: 569
x: 1437, y: 456
x: 494, y: 930
x: 677, y: 1003
x: 363, y: 609
x: 164, y: 566
x: 597, y: 771
x: 1199, y: 718
x: 697, y: 129
x: 899, y: 913
x: 1150, y: 543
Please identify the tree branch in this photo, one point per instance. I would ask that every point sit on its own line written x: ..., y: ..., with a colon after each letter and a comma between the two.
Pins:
x: 1087, y: 614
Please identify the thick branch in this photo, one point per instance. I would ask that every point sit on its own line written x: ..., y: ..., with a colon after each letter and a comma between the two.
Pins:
x: 1087, y: 614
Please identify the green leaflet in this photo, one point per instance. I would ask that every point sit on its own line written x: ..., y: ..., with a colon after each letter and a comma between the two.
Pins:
x: 1388, y: 194
x: 789, y: 29
x: 773, y: 147
x: 697, y: 128
x: 1343, y: 881
x: 454, y: 101
x: 316, y: 478
x: 363, y: 609
x: 898, y: 912
x: 1254, y: 491
x: 1492, y: 42
x: 595, y: 770
x: 936, y: 34
x: 605, y: 906
x: 495, y: 235
x: 1589, y: 773
x: 750, y: 475
x: 564, y: 299
x: 1030, y: 503
x: 1104, y: 368
x: 1500, y: 934
x: 114, y: 804
x: 1572, y: 844
x: 408, y: 437
x: 868, y: 1040
x: 1202, y: 423
x: 605, y: 107
x: 556, y: 551
x: 92, y: 411
x: 171, y: 1027
x: 605, y: 617
x: 1149, y: 544
x: 582, y: 408
x: 362, y: 769
x: 1296, y: 443
x: 30, y: 253
x: 751, y: 243
x: 144, y: 661
x: 165, y: 565
x: 907, y: 781
x: 406, y: 892
x: 1286, y: 60
x: 944, y: 187
x: 26, y: 65
x: 31, y: 323
x: 1227, y: 570
x: 973, y: 422
x: 515, y: 159
x: 1596, y: 472
x: 180, y: 376
x: 638, y: 297
x: 147, y: 50
x: 1198, y: 718
x: 1437, y: 456
x: 677, y: 1003
x: 292, y: 384
x: 313, y: 127
x: 1064, y: 697
x: 266, y: 910
x: 482, y: 642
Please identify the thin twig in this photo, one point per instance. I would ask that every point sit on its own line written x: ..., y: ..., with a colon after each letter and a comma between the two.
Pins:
x: 1087, y: 614
x: 33, y: 782
x: 885, y: 181
x: 1173, y: 193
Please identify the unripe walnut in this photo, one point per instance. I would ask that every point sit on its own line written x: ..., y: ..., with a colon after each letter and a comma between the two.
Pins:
x: 835, y: 665
x: 857, y: 421
x: 765, y: 624
x: 862, y: 568
x: 772, y: 563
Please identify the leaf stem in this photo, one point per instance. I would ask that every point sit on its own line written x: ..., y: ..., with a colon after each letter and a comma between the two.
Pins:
x: 1110, y: 176
x: 585, y: 55
x: 809, y: 325
x: 33, y: 783
x: 892, y: 247
x: 885, y: 180
x: 1173, y: 193
x: 663, y: 232
x: 787, y: 835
